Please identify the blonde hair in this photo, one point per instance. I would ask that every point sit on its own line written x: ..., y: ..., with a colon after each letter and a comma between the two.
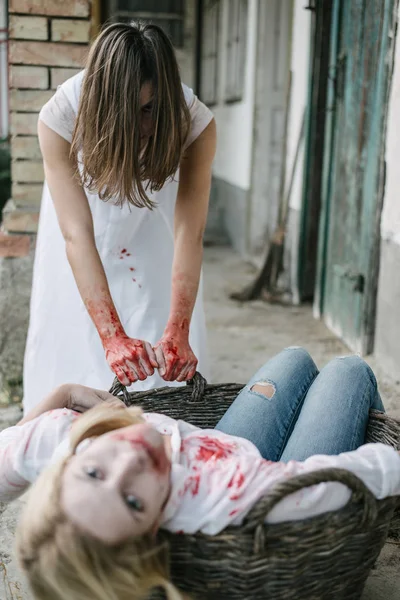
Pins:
x: 61, y: 562
x: 107, y: 134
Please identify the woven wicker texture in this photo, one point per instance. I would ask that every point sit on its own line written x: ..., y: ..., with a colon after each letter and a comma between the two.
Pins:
x: 328, y: 557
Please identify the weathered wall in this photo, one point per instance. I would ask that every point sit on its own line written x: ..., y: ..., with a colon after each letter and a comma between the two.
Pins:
x: 187, y: 55
x: 4, y: 124
x: 387, y: 333
x: 48, y: 44
x: 300, y: 65
x: 235, y: 121
x: 232, y: 165
x: 236, y: 131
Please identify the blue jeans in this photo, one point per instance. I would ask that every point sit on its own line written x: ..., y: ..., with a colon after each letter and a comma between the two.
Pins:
x: 298, y: 411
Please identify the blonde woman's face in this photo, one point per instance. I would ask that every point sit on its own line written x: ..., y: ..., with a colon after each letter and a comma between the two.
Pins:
x: 117, y: 487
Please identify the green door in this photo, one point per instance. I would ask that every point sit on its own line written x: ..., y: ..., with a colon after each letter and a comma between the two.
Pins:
x: 353, y: 175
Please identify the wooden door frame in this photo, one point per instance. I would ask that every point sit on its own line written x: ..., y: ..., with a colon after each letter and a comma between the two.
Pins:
x: 314, y: 148
x: 327, y: 171
x: 96, y: 18
x: 367, y: 332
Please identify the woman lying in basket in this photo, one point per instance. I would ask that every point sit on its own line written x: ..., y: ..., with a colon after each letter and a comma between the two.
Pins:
x: 116, y: 476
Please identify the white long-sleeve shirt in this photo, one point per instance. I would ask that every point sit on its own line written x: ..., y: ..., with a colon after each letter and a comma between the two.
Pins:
x: 216, y: 478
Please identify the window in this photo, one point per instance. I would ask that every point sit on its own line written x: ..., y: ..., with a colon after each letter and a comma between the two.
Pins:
x: 209, y: 52
x: 167, y: 14
x: 236, y: 50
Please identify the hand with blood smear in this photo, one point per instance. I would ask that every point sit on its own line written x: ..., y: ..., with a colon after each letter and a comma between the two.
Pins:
x: 129, y: 358
x: 176, y: 361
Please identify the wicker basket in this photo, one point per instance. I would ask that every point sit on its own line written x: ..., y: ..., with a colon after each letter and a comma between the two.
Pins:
x: 328, y: 557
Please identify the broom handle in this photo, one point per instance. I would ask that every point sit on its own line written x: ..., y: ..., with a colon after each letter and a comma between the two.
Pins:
x: 284, y: 147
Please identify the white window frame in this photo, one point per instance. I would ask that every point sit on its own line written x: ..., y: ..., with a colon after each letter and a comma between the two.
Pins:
x: 117, y: 14
x: 236, y: 50
x: 211, y: 29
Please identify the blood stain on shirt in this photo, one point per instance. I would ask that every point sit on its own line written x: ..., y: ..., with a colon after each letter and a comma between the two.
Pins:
x: 213, y: 449
x: 235, y: 483
x: 235, y: 497
x: 192, y: 484
x: 237, y: 480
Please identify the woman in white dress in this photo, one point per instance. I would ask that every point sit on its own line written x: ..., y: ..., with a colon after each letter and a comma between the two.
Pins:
x: 127, y: 153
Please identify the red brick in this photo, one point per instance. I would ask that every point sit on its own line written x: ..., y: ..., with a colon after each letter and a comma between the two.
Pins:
x: 21, y: 221
x: 29, y: 100
x: 14, y: 246
x: 59, y: 75
x: 60, y: 8
x: 70, y: 30
x: 27, y: 195
x: 25, y: 147
x: 27, y: 171
x: 47, y: 53
x: 28, y: 28
x: 24, y: 123
x: 29, y: 77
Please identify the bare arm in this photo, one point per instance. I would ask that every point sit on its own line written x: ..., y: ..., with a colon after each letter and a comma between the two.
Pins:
x: 175, y: 357
x: 72, y: 396
x: 128, y: 358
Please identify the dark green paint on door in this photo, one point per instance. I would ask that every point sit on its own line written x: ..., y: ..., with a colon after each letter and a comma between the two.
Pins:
x: 352, y: 191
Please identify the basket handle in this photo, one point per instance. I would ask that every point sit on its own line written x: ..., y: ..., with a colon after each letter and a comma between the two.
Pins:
x: 198, y: 385
x: 360, y: 493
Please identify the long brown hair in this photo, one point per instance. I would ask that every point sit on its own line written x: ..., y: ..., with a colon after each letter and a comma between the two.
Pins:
x: 107, y: 134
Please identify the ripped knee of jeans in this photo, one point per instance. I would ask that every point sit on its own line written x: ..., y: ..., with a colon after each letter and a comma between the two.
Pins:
x: 265, y: 388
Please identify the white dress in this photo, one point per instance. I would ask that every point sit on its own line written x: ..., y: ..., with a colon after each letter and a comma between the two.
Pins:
x: 136, y: 248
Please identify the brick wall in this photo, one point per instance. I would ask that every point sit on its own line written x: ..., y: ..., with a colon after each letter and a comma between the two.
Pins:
x: 48, y: 44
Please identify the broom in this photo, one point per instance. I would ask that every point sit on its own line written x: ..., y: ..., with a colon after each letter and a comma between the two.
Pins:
x: 273, y: 265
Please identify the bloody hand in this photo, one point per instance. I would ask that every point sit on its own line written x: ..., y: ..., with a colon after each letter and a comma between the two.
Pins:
x: 129, y: 358
x: 176, y: 361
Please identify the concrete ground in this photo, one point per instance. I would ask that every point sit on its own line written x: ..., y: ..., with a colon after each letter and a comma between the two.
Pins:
x: 241, y: 338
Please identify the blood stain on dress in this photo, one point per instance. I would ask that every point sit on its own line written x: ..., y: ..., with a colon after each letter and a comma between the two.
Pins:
x: 213, y: 449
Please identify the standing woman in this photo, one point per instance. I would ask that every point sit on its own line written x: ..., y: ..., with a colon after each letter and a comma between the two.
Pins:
x: 127, y: 153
